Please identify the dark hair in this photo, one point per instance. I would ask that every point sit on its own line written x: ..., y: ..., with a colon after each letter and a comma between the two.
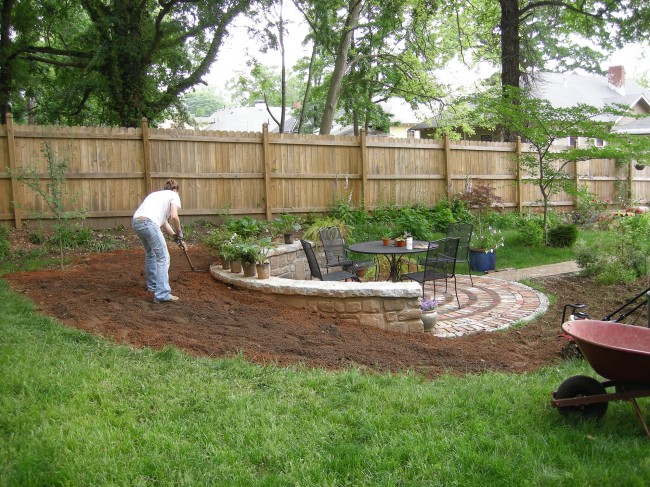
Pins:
x: 171, y: 184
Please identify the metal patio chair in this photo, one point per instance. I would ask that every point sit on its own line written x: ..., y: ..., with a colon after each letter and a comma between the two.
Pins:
x: 439, y: 264
x: 337, y: 254
x: 464, y: 233
x: 314, y: 267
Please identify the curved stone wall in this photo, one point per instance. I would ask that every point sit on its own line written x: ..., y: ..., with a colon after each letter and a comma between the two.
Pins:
x: 387, y: 305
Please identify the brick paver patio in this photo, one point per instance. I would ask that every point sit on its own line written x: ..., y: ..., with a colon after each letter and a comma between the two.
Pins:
x: 494, y: 302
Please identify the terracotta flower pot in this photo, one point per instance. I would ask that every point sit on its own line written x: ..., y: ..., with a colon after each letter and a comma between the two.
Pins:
x: 235, y: 266
x: 249, y: 270
x: 386, y: 241
x: 263, y: 270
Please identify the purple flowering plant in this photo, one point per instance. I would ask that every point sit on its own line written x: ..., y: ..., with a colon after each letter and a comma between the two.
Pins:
x: 428, y: 304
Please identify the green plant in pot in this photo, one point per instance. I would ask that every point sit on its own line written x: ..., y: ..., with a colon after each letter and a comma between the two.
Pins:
x: 248, y: 254
x: 263, y: 266
x: 216, y: 240
x: 486, y: 239
x: 288, y: 224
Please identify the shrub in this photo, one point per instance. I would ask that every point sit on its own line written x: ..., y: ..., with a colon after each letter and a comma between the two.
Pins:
x: 246, y: 226
x: 4, y: 241
x: 617, y: 255
x: 414, y: 220
x: 589, y: 207
x: 530, y: 231
x: 443, y: 214
x: 564, y: 235
x: 37, y: 236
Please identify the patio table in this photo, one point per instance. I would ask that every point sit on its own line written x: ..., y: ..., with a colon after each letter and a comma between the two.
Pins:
x: 393, y: 253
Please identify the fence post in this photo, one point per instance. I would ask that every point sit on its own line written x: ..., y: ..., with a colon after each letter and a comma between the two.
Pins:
x: 448, y: 190
x: 11, y: 149
x: 519, y: 177
x: 146, y: 146
x: 364, y: 167
x: 266, y: 154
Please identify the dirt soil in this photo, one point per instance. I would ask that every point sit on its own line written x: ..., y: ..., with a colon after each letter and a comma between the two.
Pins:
x: 105, y: 295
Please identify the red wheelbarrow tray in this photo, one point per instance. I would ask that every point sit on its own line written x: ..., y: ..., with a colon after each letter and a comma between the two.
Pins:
x: 614, y: 350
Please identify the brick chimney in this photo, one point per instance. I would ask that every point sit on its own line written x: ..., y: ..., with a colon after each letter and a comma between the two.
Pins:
x: 616, y: 79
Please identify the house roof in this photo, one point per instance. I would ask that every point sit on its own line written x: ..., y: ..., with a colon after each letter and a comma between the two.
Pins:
x: 640, y: 126
x: 564, y: 90
x: 247, y: 119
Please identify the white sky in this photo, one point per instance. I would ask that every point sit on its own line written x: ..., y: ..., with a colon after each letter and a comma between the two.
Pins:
x: 234, y: 54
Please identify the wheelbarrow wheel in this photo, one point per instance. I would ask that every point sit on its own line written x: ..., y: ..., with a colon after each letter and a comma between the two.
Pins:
x: 581, y: 386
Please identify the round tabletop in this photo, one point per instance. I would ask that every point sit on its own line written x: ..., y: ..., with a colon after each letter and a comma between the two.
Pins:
x: 378, y: 247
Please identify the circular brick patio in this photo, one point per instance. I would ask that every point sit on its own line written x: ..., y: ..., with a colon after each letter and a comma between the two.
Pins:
x: 490, y: 304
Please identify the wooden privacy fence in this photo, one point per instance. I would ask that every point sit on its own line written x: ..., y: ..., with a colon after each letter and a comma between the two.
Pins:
x: 262, y: 174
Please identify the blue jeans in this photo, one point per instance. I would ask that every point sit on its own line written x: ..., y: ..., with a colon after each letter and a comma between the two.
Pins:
x: 156, y: 263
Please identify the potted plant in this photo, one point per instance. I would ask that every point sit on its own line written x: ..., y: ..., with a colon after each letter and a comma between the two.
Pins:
x: 288, y: 224
x: 275, y: 232
x: 262, y: 265
x: 215, y: 241
x: 429, y: 313
x: 231, y: 251
x: 485, y: 240
x: 248, y: 254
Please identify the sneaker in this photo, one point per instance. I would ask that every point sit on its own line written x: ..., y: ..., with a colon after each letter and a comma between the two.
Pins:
x: 171, y: 299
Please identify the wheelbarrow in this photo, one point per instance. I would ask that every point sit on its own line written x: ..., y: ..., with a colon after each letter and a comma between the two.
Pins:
x: 621, y: 354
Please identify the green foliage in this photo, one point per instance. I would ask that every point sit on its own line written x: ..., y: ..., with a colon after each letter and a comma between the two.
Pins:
x: 414, y: 220
x: 564, y: 235
x: 203, y: 101
x: 443, y: 214
x: 312, y: 234
x: 288, y: 223
x: 589, y: 207
x: 37, y: 236
x: 619, y: 254
x: 216, y: 239
x: 54, y: 194
x: 112, y: 62
x: 246, y: 226
x: 4, y: 241
x: 343, y: 211
x: 530, y: 230
x: 546, y: 168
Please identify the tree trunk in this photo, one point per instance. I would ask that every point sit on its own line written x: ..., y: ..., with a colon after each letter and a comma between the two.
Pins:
x: 6, y: 68
x: 510, y: 67
x: 310, y: 74
x: 340, y: 68
x: 283, y: 81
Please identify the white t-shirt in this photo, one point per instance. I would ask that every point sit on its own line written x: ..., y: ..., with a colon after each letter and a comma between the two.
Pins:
x: 157, y: 206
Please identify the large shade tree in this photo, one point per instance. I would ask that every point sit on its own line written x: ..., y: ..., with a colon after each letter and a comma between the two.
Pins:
x: 372, y: 50
x: 128, y: 58
x: 526, y: 36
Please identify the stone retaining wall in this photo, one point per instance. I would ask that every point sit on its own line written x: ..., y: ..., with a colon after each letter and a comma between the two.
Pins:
x: 387, y: 305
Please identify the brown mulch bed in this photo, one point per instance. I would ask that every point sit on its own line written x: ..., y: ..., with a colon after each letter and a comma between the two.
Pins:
x: 105, y: 295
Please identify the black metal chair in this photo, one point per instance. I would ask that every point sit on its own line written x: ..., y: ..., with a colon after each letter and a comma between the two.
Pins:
x: 464, y: 233
x: 336, y: 253
x: 314, y: 267
x: 439, y: 264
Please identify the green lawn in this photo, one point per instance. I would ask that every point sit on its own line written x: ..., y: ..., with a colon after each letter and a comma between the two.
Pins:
x: 77, y: 410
